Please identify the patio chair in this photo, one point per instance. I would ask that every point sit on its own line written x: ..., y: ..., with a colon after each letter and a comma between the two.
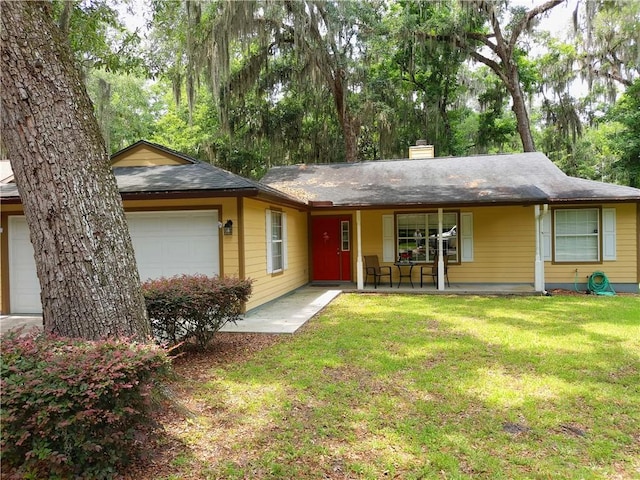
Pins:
x: 372, y: 267
x: 431, y: 270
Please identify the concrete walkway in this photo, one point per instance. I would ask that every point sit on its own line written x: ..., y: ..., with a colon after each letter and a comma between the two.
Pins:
x: 10, y: 322
x: 283, y: 315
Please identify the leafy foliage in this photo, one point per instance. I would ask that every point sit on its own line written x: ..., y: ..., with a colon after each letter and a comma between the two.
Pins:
x: 194, y: 307
x: 73, y: 408
x: 496, y: 128
x: 97, y: 35
x: 126, y: 107
x: 606, y: 37
x: 258, y: 84
x: 627, y: 112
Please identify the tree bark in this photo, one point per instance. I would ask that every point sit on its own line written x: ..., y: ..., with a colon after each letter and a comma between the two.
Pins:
x: 520, y: 110
x: 84, y: 256
x: 349, y: 125
x: 350, y: 131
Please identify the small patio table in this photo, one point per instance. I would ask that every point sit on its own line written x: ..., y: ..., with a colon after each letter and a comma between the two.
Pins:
x: 402, y: 275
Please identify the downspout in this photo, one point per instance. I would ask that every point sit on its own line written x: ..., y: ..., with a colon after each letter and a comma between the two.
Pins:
x: 539, y: 283
x: 440, y: 252
x: 359, y: 271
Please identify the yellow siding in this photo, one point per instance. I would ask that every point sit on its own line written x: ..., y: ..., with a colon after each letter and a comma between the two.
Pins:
x: 372, y: 233
x: 11, y: 208
x: 266, y: 286
x: 503, y: 238
x: 623, y: 270
x: 504, y: 247
x: 144, y: 156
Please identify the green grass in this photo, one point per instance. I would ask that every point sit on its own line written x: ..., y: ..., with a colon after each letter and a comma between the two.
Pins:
x: 404, y: 386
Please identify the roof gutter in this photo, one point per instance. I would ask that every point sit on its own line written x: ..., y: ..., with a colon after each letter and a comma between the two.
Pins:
x: 565, y: 201
x: 370, y: 206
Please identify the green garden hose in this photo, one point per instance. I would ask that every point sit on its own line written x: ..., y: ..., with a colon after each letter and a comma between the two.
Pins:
x: 599, y: 284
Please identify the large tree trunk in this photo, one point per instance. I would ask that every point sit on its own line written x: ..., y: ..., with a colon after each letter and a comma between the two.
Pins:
x: 350, y: 129
x: 83, y: 252
x: 349, y: 125
x: 522, y: 115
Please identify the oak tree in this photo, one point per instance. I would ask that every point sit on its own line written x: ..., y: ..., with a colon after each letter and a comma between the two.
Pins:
x: 84, y: 256
x: 488, y: 39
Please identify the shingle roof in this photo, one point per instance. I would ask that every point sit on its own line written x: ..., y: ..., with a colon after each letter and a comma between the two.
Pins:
x: 172, y: 178
x: 486, y: 179
x: 192, y: 177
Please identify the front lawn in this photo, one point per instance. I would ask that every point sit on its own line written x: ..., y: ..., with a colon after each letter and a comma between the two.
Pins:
x: 408, y: 386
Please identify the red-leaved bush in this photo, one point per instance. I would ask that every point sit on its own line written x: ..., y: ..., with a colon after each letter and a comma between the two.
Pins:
x: 194, y: 307
x: 72, y: 408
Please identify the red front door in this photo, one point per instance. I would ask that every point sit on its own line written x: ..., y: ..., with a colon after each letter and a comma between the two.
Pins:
x: 331, y: 248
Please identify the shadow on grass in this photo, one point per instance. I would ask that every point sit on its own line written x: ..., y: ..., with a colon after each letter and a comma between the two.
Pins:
x: 411, y: 387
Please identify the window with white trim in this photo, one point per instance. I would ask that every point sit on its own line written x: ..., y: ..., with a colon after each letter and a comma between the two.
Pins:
x: 276, y: 223
x: 577, y: 235
x: 417, y: 236
x: 345, y: 236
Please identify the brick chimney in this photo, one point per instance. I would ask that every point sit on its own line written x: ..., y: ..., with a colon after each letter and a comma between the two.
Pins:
x: 421, y: 150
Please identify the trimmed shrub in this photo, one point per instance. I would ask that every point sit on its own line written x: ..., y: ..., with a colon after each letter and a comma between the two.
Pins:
x: 193, y: 307
x: 73, y: 408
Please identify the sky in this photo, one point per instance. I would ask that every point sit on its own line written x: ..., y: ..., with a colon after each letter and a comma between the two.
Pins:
x: 559, y: 21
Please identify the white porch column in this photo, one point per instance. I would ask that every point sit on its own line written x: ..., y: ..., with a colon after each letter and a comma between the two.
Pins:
x: 538, y: 284
x: 359, y: 270
x: 440, y: 252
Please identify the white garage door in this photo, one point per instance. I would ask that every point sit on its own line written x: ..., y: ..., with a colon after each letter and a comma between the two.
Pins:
x: 173, y: 243
x: 23, y: 281
x: 165, y: 244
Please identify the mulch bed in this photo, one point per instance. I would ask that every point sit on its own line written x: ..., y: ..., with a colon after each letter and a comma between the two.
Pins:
x: 191, y: 367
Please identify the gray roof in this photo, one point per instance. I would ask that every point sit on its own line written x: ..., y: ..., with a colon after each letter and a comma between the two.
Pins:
x: 176, y: 178
x: 486, y: 179
x: 193, y: 177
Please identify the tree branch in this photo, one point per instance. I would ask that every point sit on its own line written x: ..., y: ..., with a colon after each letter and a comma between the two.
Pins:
x: 493, y: 65
x: 65, y: 17
x: 615, y: 75
x: 495, y: 24
x: 459, y: 42
x: 531, y: 14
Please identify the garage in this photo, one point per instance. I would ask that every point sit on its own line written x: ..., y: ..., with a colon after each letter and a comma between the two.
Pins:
x: 23, y: 281
x: 165, y: 244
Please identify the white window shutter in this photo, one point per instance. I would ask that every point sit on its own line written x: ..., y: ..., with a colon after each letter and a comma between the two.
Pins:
x: 388, y: 239
x: 285, y: 256
x: 608, y: 234
x: 466, y: 236
x: 269, y: 250
x: 546, y: 237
